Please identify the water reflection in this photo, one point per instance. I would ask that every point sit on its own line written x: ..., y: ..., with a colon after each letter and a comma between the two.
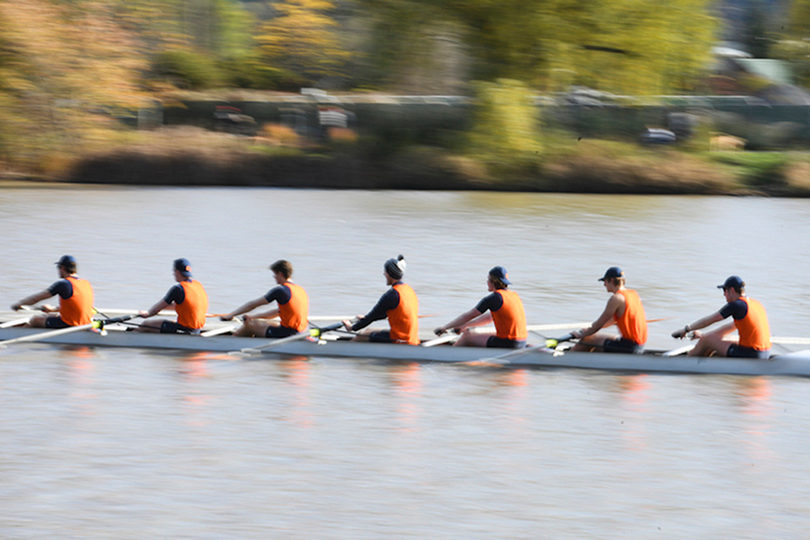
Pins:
x: 406, y: 379
x: 296, y: 371
x: 82, y: 377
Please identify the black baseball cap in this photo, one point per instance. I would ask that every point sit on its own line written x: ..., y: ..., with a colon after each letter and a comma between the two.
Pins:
x: 733, y: 282
x: 66, y: 260
x: 612, y: 272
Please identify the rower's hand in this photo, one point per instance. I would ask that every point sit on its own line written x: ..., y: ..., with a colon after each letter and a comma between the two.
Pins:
x: 577, y: 334
x: 347, y: 324
x: 47, y: 308
x: 440, y: 330
x: 143, y: 314
x: 16, y: 307
x: 680, y: 333
x: 226, y: 318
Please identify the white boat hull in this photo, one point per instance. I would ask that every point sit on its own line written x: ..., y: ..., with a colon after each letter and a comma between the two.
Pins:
x: 795, y: 364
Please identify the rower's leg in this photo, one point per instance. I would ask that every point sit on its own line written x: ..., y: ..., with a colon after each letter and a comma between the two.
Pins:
x: 150, y: 325
x: 252, y: 328
x: 711, y: 342
x: 472, y: 337
x: 37, y: 321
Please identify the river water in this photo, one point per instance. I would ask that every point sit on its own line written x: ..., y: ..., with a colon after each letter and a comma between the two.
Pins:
x: 135, y: 444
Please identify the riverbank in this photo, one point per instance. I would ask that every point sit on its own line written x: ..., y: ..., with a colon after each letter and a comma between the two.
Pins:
x: 191, y: 157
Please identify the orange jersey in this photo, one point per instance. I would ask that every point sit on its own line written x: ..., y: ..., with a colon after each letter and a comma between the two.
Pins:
x: 633, y: 323
x: 404, y: 319
x: 294, y: 314
x: 510, y: 319
x: 78, y: 309
x: 754, y: 330
x: 191, y: 312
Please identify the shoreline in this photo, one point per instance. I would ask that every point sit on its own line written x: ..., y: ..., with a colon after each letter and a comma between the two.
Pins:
x: 647, y: 172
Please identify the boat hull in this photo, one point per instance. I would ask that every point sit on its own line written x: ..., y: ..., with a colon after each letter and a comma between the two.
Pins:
x: 794, y: 364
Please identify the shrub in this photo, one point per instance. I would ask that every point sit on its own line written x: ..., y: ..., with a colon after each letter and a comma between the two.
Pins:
x: 186, y: 69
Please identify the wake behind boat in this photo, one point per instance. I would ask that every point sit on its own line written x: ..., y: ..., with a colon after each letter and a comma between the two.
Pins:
x: 793, y: 364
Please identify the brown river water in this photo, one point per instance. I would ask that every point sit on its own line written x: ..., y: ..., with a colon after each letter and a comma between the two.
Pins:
x: 101, y: 443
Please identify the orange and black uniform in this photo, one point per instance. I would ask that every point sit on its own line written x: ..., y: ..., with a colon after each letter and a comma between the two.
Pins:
x: 400, y: 306
x: 191, y: 304
x: 75, y: 300
x: 752, y: 325
x: 509, y: 318
x: 633, y: 323
x: 293, y: 306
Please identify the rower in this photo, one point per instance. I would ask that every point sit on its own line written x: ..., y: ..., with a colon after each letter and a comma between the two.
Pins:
x: 624, y: 309
x: 190, y: 302
x: 501, y: 306
x: 75, y: 299
x: 398, y: 304
x: 293, y: 308
x: 749, y: 319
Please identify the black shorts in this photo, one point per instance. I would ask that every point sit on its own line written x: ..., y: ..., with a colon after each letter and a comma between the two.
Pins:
x: 55, y: 322
x: 171, y: 327
x: 383, y: 336
x: 738, y: 351
x: 622, y: 345
x: 495, y: 342
x: 274, y: 331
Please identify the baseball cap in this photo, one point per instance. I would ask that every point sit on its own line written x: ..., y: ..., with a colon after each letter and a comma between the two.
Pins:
x: 500, y: 273
x: 66, y: 260
x: 733, y: 282
x: 612, y: 272
x: 183, y: 266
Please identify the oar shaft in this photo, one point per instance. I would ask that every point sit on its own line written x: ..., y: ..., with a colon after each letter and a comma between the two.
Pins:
x: 15, y: 322
x: 45, y: 335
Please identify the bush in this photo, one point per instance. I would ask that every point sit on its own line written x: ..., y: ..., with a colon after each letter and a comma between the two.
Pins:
x: 505, y: 125
x: 186, y: 69
x: 759, y: 169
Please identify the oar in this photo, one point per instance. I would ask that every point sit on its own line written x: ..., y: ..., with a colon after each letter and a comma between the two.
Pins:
x: 504, y: 359
x: 46, y: 335
x: 790, y: 340
x: 15, y: 322
x: 315, y: 332
x: 224, y: 329
x: 680, y: 350
x: 447, y: 338
x: 62, y: 331
x: 566, y: 326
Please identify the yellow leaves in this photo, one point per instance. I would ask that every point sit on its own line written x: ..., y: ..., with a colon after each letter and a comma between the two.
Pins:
x: 303, y: 38
x: 505, y: 121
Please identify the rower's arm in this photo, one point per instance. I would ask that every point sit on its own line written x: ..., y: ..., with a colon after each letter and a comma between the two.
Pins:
x: 271, y: 314
x: 32, y: 299
x: 706, y: 321
x: 480, y: 320
x: 460, y: 321
x: 154, y: 310
x: 698, y: 324
x: 605, y: 319
x: 244, y: 308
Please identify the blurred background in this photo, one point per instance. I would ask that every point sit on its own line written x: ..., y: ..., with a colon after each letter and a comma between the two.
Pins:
x: 518, y: 94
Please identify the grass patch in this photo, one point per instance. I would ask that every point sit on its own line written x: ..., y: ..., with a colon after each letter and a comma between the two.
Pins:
x: 756, y: 169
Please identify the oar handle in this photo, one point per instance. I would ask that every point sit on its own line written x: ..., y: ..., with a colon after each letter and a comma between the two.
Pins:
x: 553, y: 342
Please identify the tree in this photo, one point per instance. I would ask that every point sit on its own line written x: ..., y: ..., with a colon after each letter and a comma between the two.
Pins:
x: 67, y: 69
x: 303, y: 39
x: 628, y: 46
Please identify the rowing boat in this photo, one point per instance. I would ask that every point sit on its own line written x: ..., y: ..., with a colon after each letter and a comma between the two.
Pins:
x: 795, y: 364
